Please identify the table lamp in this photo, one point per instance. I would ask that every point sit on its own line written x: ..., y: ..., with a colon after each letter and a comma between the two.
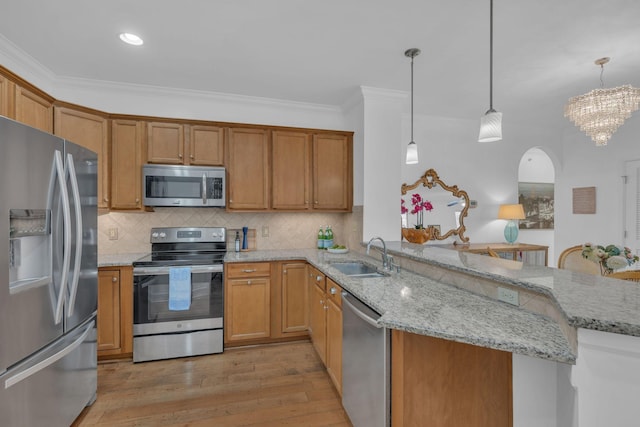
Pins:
x: 512, y: 213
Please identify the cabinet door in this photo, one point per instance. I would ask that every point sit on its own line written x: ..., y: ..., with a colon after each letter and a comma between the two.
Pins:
x: 295, y: 299
x: 206, y: 145
x: 91, y: 131
x: 126, y: 167
x: 7, y: 93
x: 165, y: 143
x: 334, y: 343
x: 332, y: 172
x: 247, y: 314
x: 317, y: 321
x: 33, y: 110
x: 248, y: 169
x: 108, y: 310
x: 291, y: 165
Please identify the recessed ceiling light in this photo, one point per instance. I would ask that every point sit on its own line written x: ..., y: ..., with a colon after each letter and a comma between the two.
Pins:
x: 131, y: 39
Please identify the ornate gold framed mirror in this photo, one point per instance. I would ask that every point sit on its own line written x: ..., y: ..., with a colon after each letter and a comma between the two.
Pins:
x: 436, y: 209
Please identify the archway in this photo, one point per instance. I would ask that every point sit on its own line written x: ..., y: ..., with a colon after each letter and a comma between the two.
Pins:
x: 536, y: 179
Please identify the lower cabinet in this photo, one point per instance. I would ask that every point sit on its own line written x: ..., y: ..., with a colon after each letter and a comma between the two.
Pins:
x: 115, y: 312
x: 325, y: 326
x: 265, y: 302
x: 247, y: 301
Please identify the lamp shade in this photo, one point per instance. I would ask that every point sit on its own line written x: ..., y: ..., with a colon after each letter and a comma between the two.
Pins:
x: 490, y: 127
x: 511, y: 212
x: 412, y: 153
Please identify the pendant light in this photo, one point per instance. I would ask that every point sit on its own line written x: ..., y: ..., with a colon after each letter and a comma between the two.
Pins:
x: 491, y: 122
x: 412, y: 148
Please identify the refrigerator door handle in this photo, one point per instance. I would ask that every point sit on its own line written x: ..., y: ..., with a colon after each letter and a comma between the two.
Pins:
x: 33, y: 369
x: 66, y: 258
x: 73, y: 289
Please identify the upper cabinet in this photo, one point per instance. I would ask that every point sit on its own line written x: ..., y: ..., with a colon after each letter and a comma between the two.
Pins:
x: 127, y: 141
x: 24, y: 103
x: 91, y: 130
x: 291, y: 170
x: 6, y: 97
x: 248, y: 169
x: 206, y: 145
x: 332, y: 172
x: 33, y: 109
x: 184, y: 144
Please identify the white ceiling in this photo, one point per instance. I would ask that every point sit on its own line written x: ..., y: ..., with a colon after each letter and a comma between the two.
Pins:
x: 322, y: 51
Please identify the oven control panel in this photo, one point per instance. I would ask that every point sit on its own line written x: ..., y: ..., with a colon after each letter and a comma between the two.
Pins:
x: 188, y: 234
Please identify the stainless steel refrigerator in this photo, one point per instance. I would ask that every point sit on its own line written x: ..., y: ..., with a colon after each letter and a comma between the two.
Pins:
x: 48, y: 277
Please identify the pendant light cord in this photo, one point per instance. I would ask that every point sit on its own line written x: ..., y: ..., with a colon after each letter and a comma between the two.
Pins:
x: 412, y: 99
x: 491, y: 55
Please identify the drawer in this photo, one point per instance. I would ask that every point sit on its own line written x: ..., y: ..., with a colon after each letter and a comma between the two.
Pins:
x: 247, y: 269
x: 317, y: 277
x: 334, y: 292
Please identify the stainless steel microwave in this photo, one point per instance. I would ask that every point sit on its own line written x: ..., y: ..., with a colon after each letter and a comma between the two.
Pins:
x: 193, y: 186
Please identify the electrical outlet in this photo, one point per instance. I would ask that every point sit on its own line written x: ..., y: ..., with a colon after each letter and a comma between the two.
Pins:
x: 113, y: 234
x: 508, y: 295
x: 265, y: 231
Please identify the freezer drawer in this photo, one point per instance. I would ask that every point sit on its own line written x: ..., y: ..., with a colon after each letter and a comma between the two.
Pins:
x: 53, y: 386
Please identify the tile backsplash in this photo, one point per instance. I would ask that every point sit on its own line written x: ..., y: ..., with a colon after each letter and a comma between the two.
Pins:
x: 286, y: 230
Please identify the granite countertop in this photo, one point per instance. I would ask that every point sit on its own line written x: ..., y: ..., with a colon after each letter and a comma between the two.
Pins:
x: 118, y: 260
x: 587, y: 301
x: 417, y: 304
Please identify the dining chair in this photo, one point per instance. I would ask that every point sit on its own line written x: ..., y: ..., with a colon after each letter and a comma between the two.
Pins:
x: 572, y: 259
x: 631, y: 275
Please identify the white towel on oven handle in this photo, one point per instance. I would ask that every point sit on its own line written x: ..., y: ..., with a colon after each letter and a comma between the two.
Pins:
x: 179, y: 288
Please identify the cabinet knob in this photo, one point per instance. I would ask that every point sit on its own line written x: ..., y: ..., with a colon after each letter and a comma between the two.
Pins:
x: 333, y: 291
x: 192, y: 156
x: 249, y: 271
x: 318, y: 278
x: 114, y: 279
x: 284, y: 272
x: 106, y: 199
x: 316, y: 202
x: 180, y: 156
x: 248, y: 282
x: 322, y: 302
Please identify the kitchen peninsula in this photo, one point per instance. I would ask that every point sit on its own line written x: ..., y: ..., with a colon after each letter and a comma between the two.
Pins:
x: 590, y: 324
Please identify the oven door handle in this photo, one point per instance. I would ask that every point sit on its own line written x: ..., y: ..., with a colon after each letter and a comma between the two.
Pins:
x: 159, y: 271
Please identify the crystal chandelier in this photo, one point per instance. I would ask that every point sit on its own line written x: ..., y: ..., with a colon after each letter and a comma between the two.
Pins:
x: 601, y: 112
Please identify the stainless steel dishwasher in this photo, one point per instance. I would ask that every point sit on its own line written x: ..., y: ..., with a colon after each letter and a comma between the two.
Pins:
x: 366, y: 369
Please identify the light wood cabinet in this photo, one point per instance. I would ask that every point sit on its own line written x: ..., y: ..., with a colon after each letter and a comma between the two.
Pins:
x: 127, y: 140
x: 185, y: 144
x: 165, y: 143
x: 115, y: 312
x: 7, y: 93
x: 206, y: 145
x: 317, y: 313
x: 91, y: 130
x: 332, y: 172
x: 445, y: 383
x: 334, y: 333
x: 325, y: 326
x: 290, y: 170
x: 33, y: 109
x: 294, y: 298
x: 248, y: 169
x: 247, y: 301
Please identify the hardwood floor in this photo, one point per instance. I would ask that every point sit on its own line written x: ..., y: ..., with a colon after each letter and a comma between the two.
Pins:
x: 274, y: 385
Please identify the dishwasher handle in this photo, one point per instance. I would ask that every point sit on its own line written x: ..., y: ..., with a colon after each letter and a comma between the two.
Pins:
x: 360, y: 314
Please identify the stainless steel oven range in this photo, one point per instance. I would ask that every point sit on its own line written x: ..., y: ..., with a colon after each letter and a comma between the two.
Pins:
x: 178, y: 294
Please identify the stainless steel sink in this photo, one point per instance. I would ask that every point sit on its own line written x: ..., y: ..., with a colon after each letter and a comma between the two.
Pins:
x: 357, y: 269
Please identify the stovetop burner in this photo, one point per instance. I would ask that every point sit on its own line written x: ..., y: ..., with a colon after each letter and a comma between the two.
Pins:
x: 176, y: 246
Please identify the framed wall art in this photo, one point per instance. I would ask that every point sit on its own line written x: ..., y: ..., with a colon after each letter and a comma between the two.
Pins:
x: 537, y: 200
